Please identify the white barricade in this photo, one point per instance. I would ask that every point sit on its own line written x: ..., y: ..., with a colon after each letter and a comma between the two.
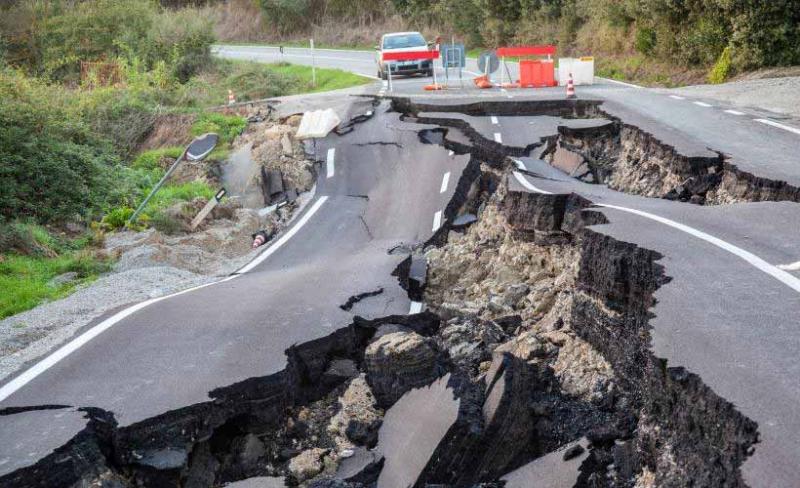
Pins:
x: 582, y: 70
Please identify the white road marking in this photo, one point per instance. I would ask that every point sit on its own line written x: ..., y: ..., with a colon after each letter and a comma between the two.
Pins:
x: 437, y: 220
x: 416, y: 307
x: 629, y: 85
x: 451, y: 153
x: 330, y: 162
x: 734, y: 112
x: 498, y: 137
x: 755, y: 261
x: 790, y: 267
x: 285, y: 238
x: 494, y: 120
x: 37, y: 369
x: 676, y: 97
x: 445, y: 181
x: 701, y: 104
x: 779, y: 126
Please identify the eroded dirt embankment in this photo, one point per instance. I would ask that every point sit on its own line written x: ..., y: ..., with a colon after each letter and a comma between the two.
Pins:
x: 538, y: 326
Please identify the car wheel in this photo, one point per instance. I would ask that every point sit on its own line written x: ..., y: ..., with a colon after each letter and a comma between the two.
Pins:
x: 429, y: 73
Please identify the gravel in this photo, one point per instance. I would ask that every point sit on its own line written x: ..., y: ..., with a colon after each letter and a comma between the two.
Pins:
x: 29, y: 335
x: 779, y: 95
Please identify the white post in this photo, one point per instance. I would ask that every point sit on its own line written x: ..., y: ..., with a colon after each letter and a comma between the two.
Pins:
x: 502, y: 78
x: 433, y: 66
x: 313, y: 66
x: 389, y: 70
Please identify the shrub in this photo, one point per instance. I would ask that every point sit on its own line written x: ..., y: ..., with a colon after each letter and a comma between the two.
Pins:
x: 722, y: 68
x: 645, y: 41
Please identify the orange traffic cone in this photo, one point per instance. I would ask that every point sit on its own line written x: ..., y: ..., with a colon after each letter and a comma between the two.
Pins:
x: 570, y: 87
x: 231, y: 98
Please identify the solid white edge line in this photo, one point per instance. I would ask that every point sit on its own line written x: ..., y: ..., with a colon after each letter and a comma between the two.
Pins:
x: 790, y: 267
x: 31, y: 373
x: 755, y: 261
x: 752, y: 259
x: 498, y: 137
x: 702, y: 104
x: 734, y: 112
x: 416, y: 307
x: 494, y: 120
x: 329, y: 162
x: 437, y: 220
x: 445, y: 181
x: 285, y: 238
x: 779, y: 126
x: 51, y: 360
x: 629, y: 85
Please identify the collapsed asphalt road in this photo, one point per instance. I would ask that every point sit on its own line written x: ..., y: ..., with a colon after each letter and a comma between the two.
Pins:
x: 171, y: 393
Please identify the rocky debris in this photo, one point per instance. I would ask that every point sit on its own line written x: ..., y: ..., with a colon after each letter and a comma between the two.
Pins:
x: 219, y: 246
x: 307, y: 464
x: 398, y: 362
x: 359, y: 419
x: 469, y: 343
x: 277, y: 151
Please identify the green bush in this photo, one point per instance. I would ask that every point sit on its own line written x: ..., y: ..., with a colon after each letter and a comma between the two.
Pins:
x: 645, y: 41
x: 117, y: 218
x: 52, y: 167
x: 722, y: 68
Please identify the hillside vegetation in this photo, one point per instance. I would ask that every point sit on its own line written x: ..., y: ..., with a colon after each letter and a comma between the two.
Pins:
x: 656, y: 41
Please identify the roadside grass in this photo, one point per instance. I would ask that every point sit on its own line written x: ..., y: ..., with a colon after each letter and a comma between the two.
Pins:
x: 25, y: 280
x: 30, y: 257
x: 256, y: 81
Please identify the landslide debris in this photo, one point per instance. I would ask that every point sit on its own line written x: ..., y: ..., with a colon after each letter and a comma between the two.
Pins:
x: 535, y: 346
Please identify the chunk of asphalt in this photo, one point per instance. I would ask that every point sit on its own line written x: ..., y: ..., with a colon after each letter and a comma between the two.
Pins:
x: 464, y: 221
x: 274, y: 182
x: 550, y: 470
x: 412, y: 430
x: 362, y: 467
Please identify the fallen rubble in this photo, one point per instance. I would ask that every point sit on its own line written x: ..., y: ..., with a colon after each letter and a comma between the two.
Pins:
x: 532, y: 362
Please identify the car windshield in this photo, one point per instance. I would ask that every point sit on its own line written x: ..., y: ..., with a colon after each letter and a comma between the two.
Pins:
x: 403, y: 41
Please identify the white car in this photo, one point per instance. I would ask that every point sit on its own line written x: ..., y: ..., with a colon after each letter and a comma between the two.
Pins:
x: 397, y: 42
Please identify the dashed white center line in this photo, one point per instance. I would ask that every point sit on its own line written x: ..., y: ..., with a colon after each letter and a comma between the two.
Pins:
x: 676, y: 97
x: 779, y: 126
x: 701, y: 104
x: 445, y: 181
x: 790, y: 267
x: 734, y: 112
x: 494, y: 120
x: 330, y: 162
x: 498, y: 137
x: 437, y: 220
x: 416, y: 307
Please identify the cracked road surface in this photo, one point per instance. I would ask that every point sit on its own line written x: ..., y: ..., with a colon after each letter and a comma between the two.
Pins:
x: 172, y: 353
x: 726, y: 315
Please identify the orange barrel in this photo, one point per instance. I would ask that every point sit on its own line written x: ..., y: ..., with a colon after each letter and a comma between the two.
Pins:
x: 527, y: 73
x: 548, y: 72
